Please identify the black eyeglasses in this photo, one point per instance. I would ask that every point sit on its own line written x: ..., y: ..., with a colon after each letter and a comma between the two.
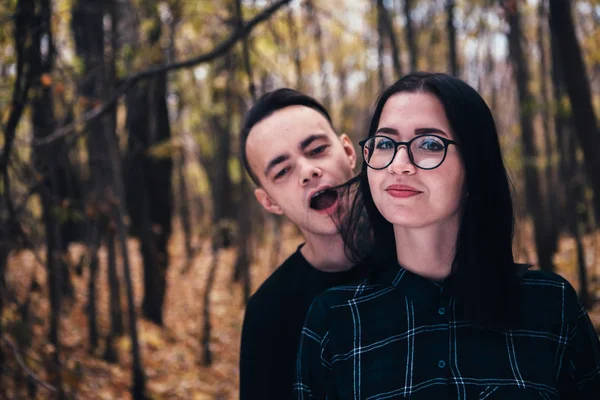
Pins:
x: 424, y: 151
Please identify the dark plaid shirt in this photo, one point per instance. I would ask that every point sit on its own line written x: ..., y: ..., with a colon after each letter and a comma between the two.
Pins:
x: 399, y: 336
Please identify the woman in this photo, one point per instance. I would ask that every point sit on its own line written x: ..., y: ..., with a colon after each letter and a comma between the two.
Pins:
x: 446, y: 313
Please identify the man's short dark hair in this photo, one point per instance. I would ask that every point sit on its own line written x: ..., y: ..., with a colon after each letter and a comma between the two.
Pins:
x: 266, y: 105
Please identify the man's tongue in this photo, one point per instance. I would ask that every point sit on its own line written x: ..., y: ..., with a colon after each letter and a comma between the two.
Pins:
x: 324, y: 200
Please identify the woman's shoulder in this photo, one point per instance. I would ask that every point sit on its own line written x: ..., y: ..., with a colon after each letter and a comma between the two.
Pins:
x: 342, y: 294
x: 544, y: 279
x: 544, y: 290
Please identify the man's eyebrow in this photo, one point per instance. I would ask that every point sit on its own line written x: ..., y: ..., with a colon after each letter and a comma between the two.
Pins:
x: 316, y: 136
x: 273, y: 163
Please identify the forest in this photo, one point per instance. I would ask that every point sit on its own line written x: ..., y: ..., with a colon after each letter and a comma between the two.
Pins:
x: 130, y: 239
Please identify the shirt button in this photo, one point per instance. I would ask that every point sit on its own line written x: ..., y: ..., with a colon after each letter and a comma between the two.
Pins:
x: 441, y: 311
x: 442, y: 364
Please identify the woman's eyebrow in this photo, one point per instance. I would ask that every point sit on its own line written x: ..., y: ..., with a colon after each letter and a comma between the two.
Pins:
x: 386, y: 129
x: 418, y: 131
x: 425, y: 131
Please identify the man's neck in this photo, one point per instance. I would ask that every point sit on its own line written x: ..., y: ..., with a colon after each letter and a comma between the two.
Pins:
x: 429, y: 251
x: 326, y: 253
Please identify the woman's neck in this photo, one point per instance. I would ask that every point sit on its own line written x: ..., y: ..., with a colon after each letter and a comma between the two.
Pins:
x: 427, y: 251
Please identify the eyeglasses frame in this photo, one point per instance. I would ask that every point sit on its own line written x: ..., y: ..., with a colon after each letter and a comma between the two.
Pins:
x: 445, y: 141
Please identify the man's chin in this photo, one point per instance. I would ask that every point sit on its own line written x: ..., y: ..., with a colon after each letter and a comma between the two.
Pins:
x: 321, y: 228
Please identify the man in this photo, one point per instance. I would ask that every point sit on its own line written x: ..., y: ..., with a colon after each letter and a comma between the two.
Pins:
x: 292, y: 153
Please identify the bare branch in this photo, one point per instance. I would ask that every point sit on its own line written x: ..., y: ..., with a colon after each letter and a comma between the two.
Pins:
x: 22, y: 84
x: 28, y: 371
x: 220, y: 50
x: 7, y: 18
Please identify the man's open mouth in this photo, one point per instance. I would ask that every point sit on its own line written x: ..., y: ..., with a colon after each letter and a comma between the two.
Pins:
x: 323, y: 200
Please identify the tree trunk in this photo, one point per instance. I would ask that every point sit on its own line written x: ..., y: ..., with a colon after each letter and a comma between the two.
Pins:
x: 244, y: 256
x: 550, y: 170
x: 314, y: 22
x: 92, y: 279
x: 530, y: 153
x: 149, y: 196
x: 116, y: 313
x: 490, y: 70
x: 25, y: 24
x: 149, y: 188
x: 451, y: 30
x: 184, y: 209
x: 138, y: 375
x: 207, y: 356
x: 4, y: 250
x: 570, y: 172
x: 388, y: 26
x: 138, y: 388
x: 88, y: 32
x: 43, y: 123
x: 578, y: 88
x: 380, y: 50
x: 410, y: 35
x: 181, y: 155
x: 293, y: 28
x: 218, y: 166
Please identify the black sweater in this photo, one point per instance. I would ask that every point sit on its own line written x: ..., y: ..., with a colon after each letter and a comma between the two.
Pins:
x: 274, y: 318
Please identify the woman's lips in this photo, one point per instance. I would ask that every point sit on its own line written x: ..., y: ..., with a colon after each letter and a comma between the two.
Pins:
x: 402, y: 191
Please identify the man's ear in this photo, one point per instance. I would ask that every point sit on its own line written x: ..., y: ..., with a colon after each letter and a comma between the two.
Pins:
x: 349, y: 149
x: 265, y: 200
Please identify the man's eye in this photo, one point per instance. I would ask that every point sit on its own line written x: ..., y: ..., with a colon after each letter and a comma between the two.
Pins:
x: 318, y: 150
x: 282, y: 173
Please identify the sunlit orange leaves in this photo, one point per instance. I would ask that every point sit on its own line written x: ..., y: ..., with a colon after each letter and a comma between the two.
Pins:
x: 46, y: 80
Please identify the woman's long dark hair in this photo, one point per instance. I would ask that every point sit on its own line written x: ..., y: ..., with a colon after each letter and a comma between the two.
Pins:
x: 483, y: 273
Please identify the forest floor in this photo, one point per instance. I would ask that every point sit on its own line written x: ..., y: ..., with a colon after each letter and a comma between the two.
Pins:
x: 172, y: 355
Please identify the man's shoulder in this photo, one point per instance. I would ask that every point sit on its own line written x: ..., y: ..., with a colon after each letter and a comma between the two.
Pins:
x: 277, y: 284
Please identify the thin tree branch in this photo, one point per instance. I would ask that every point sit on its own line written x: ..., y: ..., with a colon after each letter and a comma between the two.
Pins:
x: 28, y: 371
x: 22, y: 85
x: 220, y: 50
x: 13, y: 227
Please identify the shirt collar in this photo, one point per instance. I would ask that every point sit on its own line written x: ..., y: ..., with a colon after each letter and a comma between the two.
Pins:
x: 415, y: 287
x: 418, y: 288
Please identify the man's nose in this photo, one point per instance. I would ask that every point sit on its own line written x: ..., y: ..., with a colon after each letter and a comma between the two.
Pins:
x: 309, y: 171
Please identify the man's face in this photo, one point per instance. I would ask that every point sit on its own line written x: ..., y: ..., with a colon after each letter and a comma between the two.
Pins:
x: 296, y: 156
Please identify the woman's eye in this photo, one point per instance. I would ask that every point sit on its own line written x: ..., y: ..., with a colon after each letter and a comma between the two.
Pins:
x: 318, y: 150
x: 385, y: 145
x: 431, y: 145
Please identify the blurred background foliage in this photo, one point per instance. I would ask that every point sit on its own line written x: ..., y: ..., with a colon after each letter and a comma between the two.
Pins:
x: 130, y: 239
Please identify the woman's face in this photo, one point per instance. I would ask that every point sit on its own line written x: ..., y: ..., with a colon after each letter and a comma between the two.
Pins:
x: 405, y: 195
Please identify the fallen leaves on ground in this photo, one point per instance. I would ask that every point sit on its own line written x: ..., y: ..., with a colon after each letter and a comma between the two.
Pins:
x: 172, y: 354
